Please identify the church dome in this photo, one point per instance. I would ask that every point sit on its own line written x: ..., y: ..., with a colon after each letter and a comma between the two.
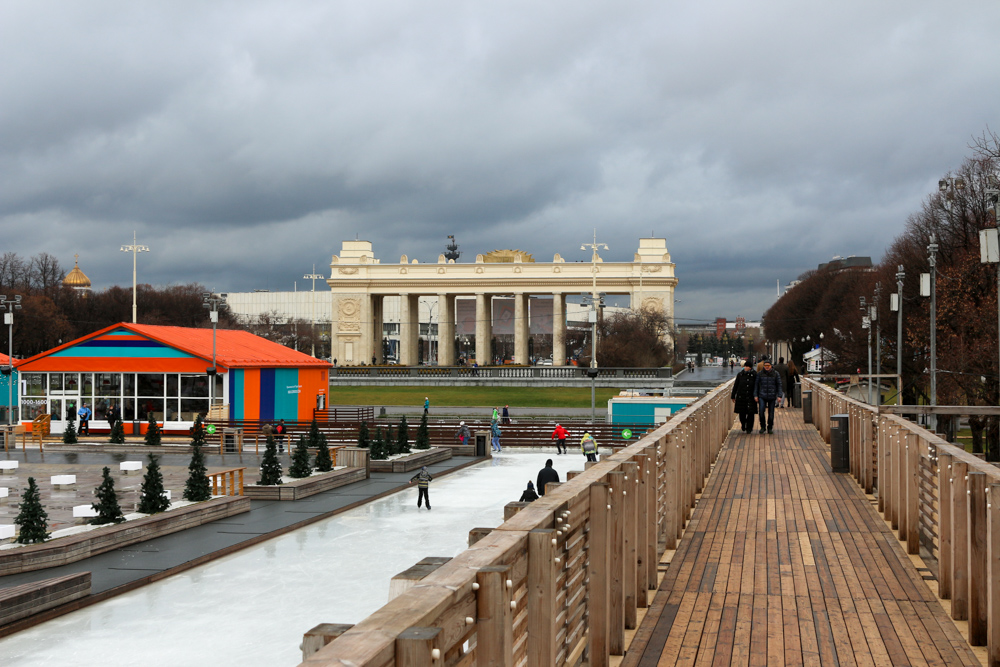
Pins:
x: 76, y: 278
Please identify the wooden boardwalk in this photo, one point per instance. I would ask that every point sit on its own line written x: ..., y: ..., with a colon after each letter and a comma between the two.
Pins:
x: 786, y: 563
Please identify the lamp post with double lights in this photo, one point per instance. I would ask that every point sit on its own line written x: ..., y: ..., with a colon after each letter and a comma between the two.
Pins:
x: 213, y: 302
x: 989, y: 243
x: 928, y: 287
x: 866, y: 323
x: 10, y: 305
x: 595, y: 299
x: 314, y: 277
x: 135, y: 249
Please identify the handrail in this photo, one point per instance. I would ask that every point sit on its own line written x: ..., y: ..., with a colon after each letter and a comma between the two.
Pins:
x: 938, y: 497
x: 562, y: 576
x: 230, y: 481
x: 564, y: 372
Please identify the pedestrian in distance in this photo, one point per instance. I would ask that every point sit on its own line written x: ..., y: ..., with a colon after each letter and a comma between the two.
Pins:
x: 782, y: 369
x: 559, y: 435
x: 84, y: 415
x: 427, y: 404
x: 495, y: 435
x: 506, y: 415
x: 423, y: 480
x: 114, y: 415
x: 767, y: 393
x: 280, y: 434
x: 742, y: 396
x: 496, y: 415
x: 463, y: 433
x: 529, y: 494
x: 546, y: 475
x: 589, y: 447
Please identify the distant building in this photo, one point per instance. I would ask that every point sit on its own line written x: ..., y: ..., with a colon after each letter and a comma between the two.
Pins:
x: 849, y: 262
x: 77, y: 279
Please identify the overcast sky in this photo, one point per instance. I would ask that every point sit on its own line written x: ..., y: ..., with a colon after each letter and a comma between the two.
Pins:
x: 243, y: 141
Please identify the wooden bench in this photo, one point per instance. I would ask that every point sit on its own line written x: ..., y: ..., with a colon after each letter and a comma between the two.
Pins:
x: 26, y: 600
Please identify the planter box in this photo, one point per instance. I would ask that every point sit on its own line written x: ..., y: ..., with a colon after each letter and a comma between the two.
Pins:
x: 309, y: 486
x: 25, y: 600
x: 414, y: 461
x: 70, y: 549
x: 465, y: 450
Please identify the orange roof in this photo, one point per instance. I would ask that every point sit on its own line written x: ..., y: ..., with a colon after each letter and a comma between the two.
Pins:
x: 3, y: 358
x: 234, y: 349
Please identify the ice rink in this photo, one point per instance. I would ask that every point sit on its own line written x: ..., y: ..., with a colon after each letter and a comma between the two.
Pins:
x: 252, y: 608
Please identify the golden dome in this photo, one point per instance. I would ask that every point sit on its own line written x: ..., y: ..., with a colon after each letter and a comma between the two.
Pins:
x: 506, y: 256
x: 76, y: 278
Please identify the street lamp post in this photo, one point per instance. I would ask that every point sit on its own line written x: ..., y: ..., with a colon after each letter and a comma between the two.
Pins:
x: 314, y: 277
x: 932, y: 248
x: 10, y: 305
x: 135, y: 249
x: 900, y: 274
x: 989, y: 247
x: 866, y: 323
x: 594, y: 298
x: 213, y: 302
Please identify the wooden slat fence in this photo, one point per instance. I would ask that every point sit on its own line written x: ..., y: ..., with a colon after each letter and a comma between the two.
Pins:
x: 939, y: 497
x: 558, y: 582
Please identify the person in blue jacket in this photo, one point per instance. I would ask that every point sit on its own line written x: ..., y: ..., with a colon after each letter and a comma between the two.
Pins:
x: 767, y: 393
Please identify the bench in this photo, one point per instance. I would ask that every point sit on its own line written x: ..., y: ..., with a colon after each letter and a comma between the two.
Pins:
x: 62, y: 480
x: 84, y: 512
x: 7, y: 466
x: 126, y: 466
x: 6, y: 531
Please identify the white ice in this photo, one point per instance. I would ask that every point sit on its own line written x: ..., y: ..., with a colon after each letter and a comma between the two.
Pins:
x: 252, y: 608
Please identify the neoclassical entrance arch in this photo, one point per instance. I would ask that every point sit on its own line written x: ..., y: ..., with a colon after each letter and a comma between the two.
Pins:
x: 360, y: 282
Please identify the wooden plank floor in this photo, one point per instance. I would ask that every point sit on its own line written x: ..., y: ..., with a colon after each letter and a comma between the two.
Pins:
x: 786, y: 563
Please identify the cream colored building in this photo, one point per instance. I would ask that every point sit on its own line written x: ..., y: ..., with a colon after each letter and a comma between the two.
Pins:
x: 360, y: 285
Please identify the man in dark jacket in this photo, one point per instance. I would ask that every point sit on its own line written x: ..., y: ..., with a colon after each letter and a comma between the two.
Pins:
x: 423, y: 480
x: 767, y: 392
x: 742, y: 396
x: 546, y: 475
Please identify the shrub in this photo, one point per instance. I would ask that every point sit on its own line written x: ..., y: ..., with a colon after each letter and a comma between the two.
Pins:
x: 32, y: 518
x: 152, y: 495
x: 107, y: 507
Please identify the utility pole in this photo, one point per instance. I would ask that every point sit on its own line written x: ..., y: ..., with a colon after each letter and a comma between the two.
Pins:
x: 135, y: 249
x: 900, y: 274
x: 10, y: 305
x: 866, y: 323
x: 594, y: 298
x: 932, y: 248
x: 314, y: 277
x: 213, y: 302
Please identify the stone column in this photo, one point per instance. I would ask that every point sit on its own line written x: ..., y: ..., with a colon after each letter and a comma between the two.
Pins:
x: 484, y: 329
x: 377, y: 301
x: 520, y: 328
x: 446, y: 330
x: 558, y: 329
x: 409, y: 328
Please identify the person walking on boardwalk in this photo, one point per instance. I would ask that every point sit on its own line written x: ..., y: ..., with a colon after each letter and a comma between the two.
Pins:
x: 559, y: 435
x: 767, y: 393
x: 423, y: 480
x: 742, y: 396
x: 495, y: 433
x: 589, y: 447
x: 529, y: 494
x: 463, y: 433
x: 781, y: 368
x: 546, y: 475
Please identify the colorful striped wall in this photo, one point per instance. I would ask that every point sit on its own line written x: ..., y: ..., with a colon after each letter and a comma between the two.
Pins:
x: 275, y: 393
x: 120, y: 351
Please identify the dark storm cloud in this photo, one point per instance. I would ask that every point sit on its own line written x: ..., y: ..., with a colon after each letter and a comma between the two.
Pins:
x: 244, y: 140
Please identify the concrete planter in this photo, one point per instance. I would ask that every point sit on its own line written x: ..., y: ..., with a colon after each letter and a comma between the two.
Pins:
x: 70, y: 549
x: 414, y: 461
x: 308, y: 486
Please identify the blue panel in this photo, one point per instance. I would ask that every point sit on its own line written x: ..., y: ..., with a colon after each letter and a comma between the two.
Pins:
x: 286, y: 394
x: 267, y: 393
x: 119, y: 352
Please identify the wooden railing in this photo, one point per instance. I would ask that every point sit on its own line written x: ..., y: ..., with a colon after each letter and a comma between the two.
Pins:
x: 227, y: 482
x: 937, y: 497
x: 559, y: 582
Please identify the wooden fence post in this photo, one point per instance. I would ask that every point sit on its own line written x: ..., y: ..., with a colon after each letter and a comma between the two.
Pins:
x: 641, y: 533
x: 671, y: 493
x: 494, y: 628
x: 415, y: 647
x: 959, y: 541
x: 616, y: 608
x: 944, y: 526
x: 993, y: 575
x: 883, y: 468
x: 542, y: 646
x: 599, y: 566
x: 904, y: 484
x: 912, y: 494
x: 977, y: 558
x: 652, y: 541
x: 629, y: 577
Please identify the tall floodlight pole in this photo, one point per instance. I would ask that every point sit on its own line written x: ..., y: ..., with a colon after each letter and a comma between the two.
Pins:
x: 866, y: 323
x: 314, y: 277
x: 932, y: 248
x: 10, y: 305
x: 989, y: 246
x: 213, y: 302
x: 878, y: 342
x: 593, y: 295
x: 135, y: 249
x: 900, y: 274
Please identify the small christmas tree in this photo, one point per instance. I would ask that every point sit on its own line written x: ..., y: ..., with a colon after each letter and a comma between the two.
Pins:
x: 403, y: 437
x: 117, y: 433
x: 69, y: 435
x: 197, y: 487
x: 107, y: 507
x: 423, y: 440
x: 32, y: 519
x: 363, y: 437
x: 389, y: 444
x: 152, y: 496
x: 152, y: 432
x: 378, y: 448
x: 300, y: 459
x: 270, y: 466
x: 323, y: 463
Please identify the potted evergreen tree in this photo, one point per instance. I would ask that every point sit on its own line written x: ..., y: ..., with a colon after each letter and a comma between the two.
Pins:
x: 363, y: 436
x: 423, y: 440
x: 270, y: 466
x: 324, y: 462
x: 389, y: 444
x: 32, y: 518
x: 107, y: 507
x: 197, y: 487
x: 152, y: 495
x: 300, y: 459
x: 152, y: 432
x: 69, y: 435
x: 117, y: 433
x: 403, y: 437
x: 377, y: 448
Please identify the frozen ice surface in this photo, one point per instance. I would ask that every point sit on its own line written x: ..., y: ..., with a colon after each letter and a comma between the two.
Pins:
x: 252, y: 608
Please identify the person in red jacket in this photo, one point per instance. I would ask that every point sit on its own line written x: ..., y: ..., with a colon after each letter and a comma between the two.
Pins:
x: 559, y: 435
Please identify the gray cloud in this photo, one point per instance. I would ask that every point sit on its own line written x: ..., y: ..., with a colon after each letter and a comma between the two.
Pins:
x: 245, y: 140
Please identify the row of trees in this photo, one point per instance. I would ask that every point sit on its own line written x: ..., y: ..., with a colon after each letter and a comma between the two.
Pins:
x: 386, y: 444
x: 828, y: 301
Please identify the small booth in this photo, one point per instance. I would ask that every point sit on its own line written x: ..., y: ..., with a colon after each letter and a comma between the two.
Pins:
x: 167, y: 372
